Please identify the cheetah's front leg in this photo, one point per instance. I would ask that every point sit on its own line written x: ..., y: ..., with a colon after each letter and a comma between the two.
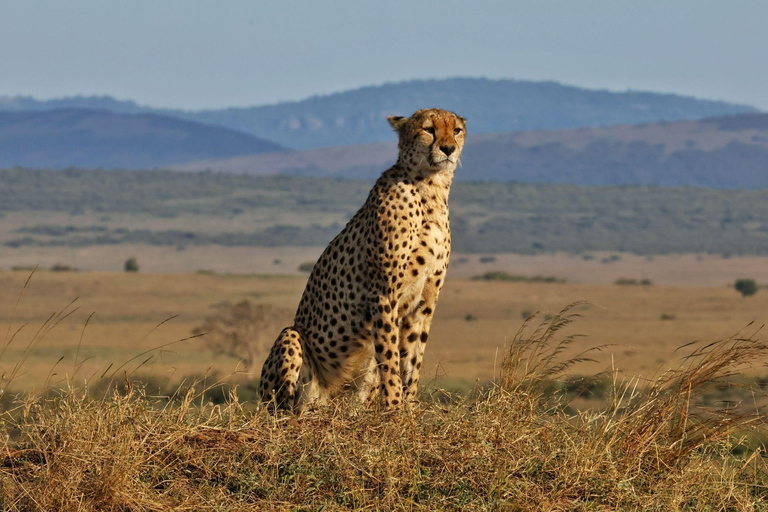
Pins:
x: 414, y: 333
x: 385, y: 337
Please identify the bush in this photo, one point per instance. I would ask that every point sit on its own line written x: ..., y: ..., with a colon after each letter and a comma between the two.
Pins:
x: 242, y: 331
x: 746, y: 287
x: 58, y: 267
x: 131, y: 265
x: 307, y: 266
x: 498, y: 275
x: 630, y: 281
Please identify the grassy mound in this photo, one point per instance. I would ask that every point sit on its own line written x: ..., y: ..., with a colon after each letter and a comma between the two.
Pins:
x: 518, y: 445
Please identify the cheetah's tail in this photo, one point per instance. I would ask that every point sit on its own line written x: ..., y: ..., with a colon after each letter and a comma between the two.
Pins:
x: 279, y: 383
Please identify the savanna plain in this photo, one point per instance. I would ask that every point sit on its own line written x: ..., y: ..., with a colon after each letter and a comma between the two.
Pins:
x: 640, y: 326
x: 562, y: 379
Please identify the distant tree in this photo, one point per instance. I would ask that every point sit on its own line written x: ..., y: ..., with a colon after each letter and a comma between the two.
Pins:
x: 240, y: 331
x: 131, y: 265
x: 747, y: 287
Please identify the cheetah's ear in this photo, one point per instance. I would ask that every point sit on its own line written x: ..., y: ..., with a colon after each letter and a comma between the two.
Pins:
x: 463, y: 119
x: 397, y: 122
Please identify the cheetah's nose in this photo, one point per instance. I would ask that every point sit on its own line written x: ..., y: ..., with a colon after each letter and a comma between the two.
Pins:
x: 447, y: 150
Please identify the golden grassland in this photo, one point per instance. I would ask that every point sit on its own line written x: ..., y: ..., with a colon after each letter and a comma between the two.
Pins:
x: 643, y: 325
x: 513, y: 447
x: 526, y: 442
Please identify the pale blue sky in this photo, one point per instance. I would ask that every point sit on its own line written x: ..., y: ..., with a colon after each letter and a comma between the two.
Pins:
x: 205, y: 53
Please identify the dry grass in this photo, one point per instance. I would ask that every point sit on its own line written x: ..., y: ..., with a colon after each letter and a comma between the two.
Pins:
x: 129, y: 307
x: 514, y: 446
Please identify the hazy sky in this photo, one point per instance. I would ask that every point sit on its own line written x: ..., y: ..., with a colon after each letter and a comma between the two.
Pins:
x: 205, y: 53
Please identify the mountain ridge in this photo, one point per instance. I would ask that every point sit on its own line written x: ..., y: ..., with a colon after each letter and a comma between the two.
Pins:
x: 77, y: 137
x: 357, y: 116
x: 722, y: 152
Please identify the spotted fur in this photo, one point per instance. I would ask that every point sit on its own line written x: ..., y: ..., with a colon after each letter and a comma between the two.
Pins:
x: 363, y: 322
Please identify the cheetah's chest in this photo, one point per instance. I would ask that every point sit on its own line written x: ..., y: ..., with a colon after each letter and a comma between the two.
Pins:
x: 428, y: 262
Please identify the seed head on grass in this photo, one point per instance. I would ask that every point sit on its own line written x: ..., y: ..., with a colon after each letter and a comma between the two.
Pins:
x: 533, y: 361
x: 668, y: 422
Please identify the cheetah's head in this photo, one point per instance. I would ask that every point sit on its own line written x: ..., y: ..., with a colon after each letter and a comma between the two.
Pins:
x: 430, y: 138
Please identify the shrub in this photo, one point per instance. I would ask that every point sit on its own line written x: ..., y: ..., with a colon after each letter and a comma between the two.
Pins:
x: 131, y: 265
x: 307, y: 266
x: 242, y: 331
x: 746, y: 287
x: 630, y: 281
x: 58, y: 267
x: 613, y: 258
x: 498, y: 275
x: 23, y: 268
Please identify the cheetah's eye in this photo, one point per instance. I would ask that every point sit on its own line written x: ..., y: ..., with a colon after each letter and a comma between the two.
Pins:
x: 430, y: 130
x: 457, y: 131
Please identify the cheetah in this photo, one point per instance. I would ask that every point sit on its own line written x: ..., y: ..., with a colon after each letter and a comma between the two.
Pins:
x: 363, y: 321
